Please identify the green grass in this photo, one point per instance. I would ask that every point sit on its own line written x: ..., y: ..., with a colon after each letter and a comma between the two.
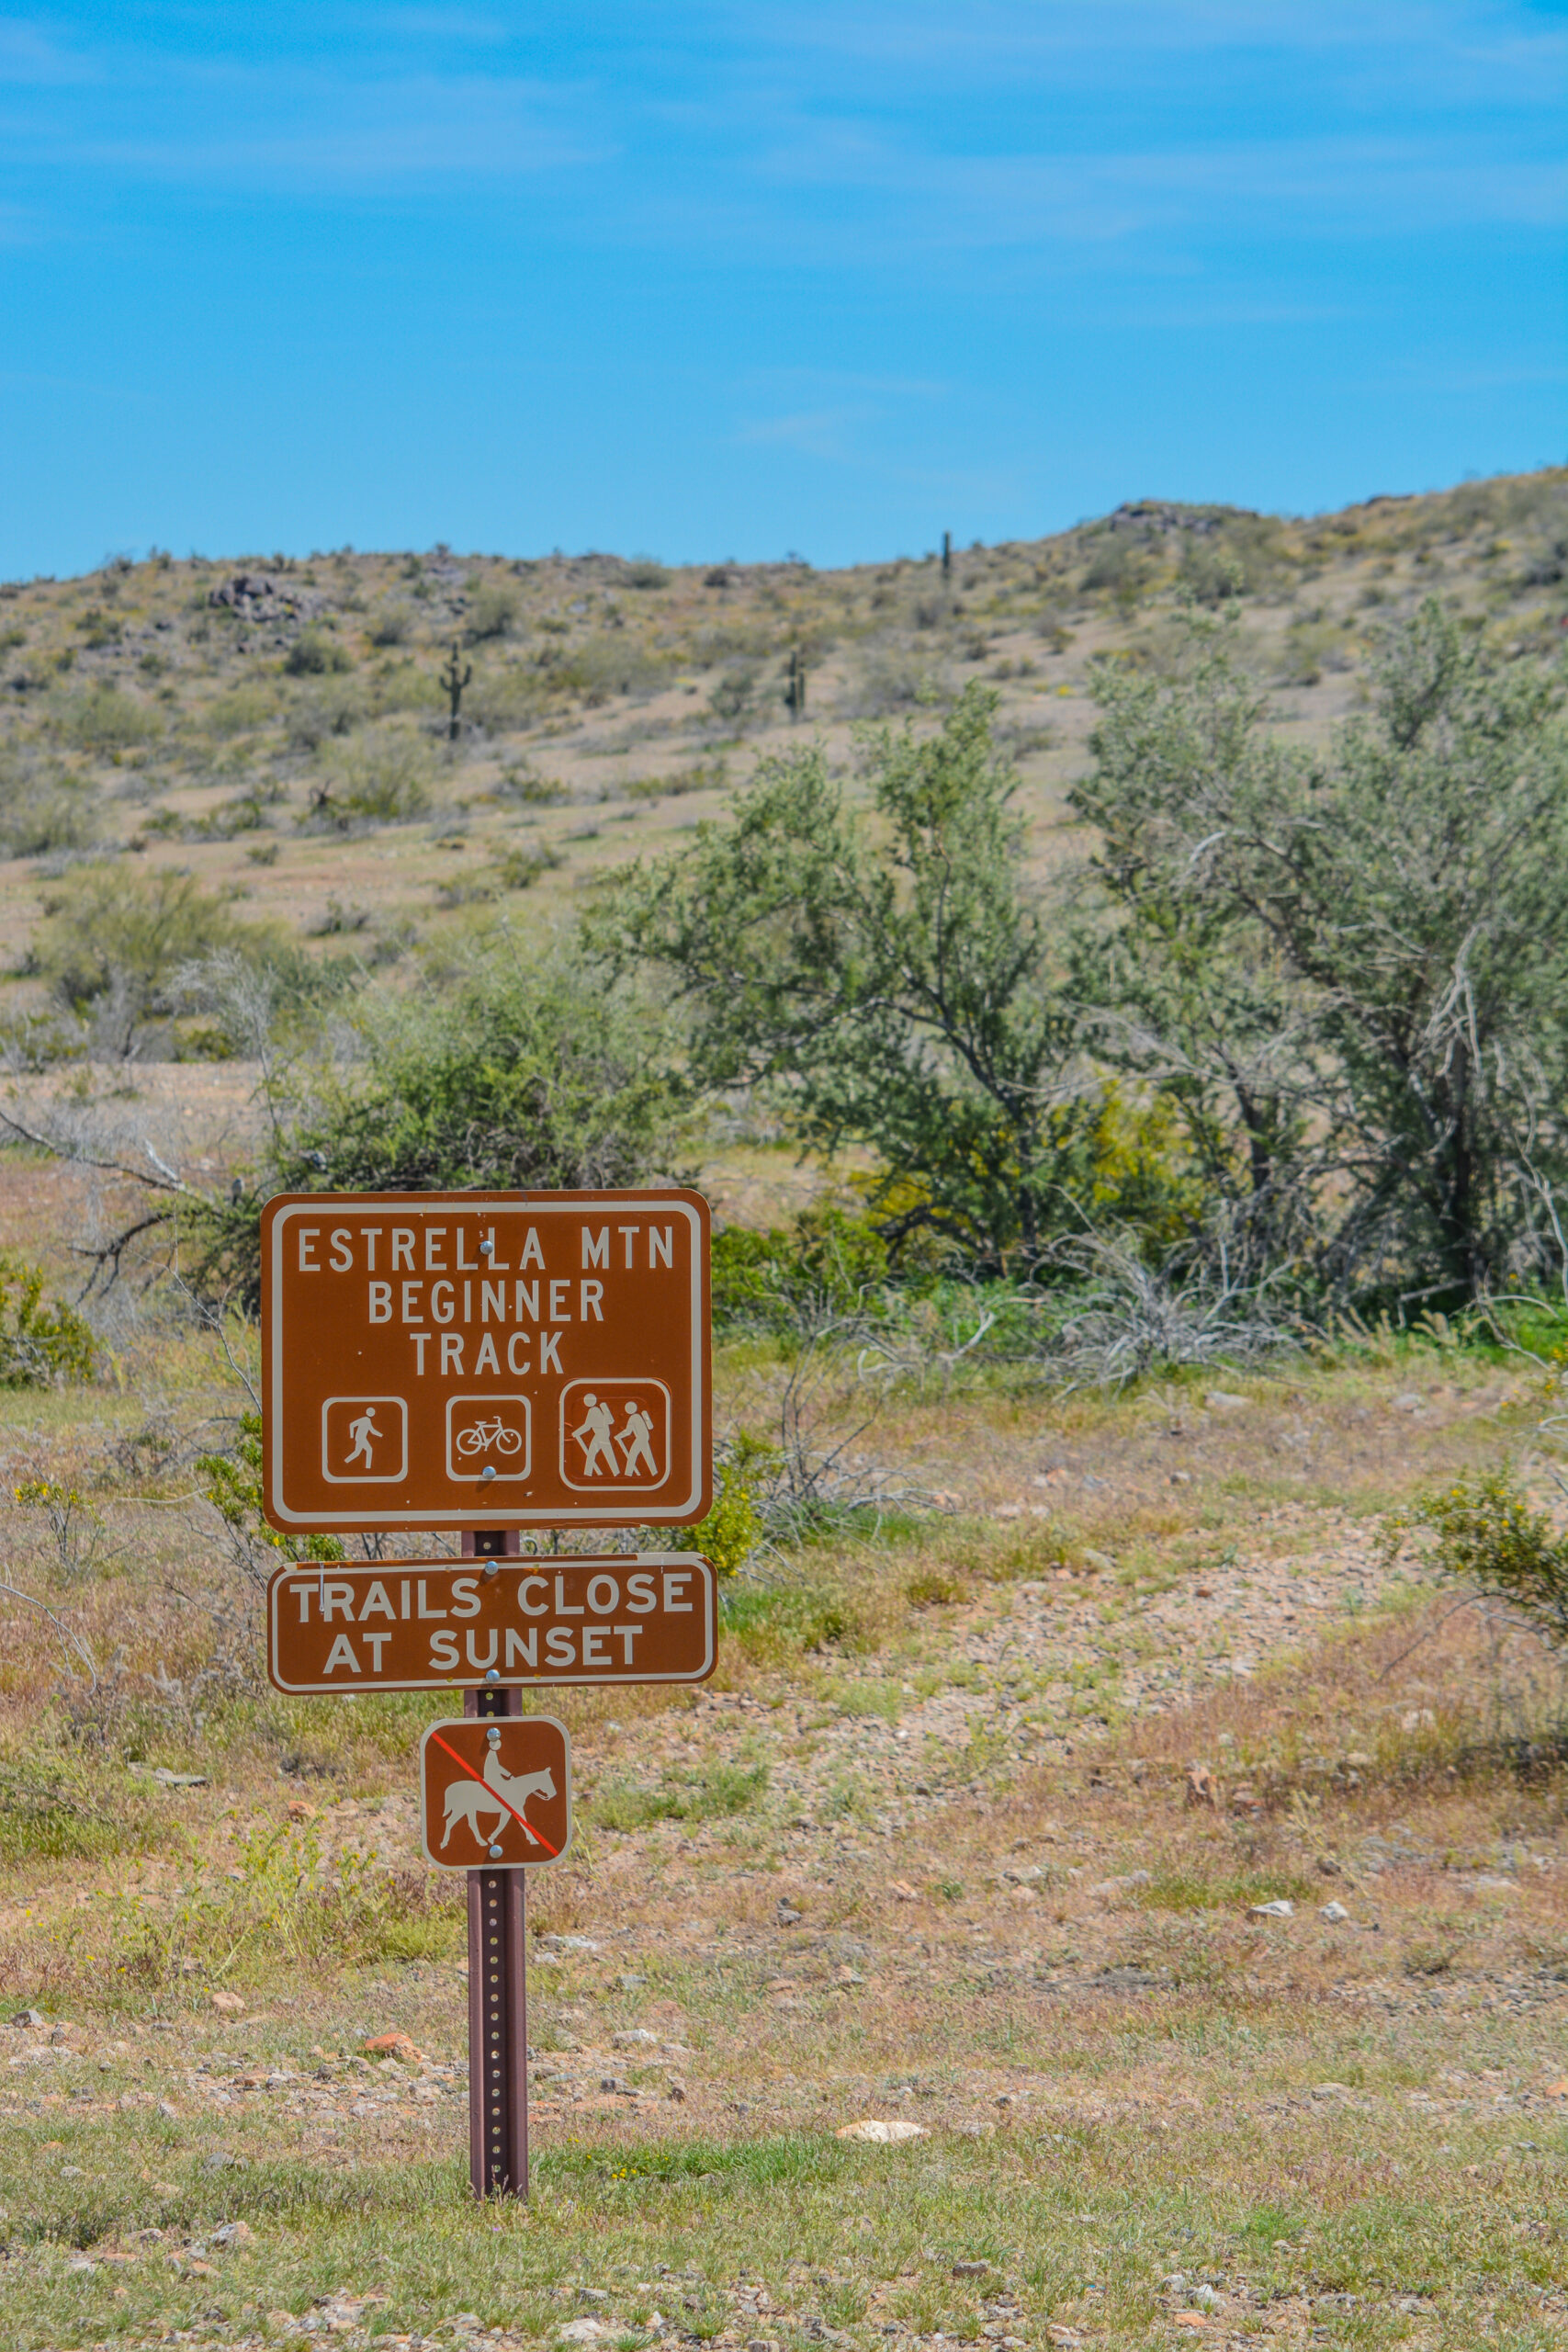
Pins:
x: 679, y: 1794
x: 56, y: 1809
x: 1080, y: 2227
x: 1187, y: 1891
x: 776, y: 1624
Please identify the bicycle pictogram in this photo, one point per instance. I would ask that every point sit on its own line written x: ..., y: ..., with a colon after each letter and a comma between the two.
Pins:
x: 480, y: 1436
x: 488, y: 1439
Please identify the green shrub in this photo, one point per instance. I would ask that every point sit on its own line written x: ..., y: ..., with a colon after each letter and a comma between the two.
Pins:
x: 381, y: 776
x: 710, y: 775
x: 499, y: 1075
x: 1488, y: 1536
x: 495, y: 1074
x: 883, y: 960
x: 231, y: 1483
x: 825, y: 1263
x: 932, y: 1588
x: 318, y: 713
x: 43, y: 809
x: 41, y: 1347
x: 612, y: 664
x: 493, y: 610
x: 102, y: 718
x: 732, y: 1531
x: 315, y: 655
x: 249, y: 705
x: 117, y: 941
x: 735, y: 694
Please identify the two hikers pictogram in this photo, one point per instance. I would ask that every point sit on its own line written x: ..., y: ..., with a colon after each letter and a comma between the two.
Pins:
x: 614, y: 1433
x: 596, y: 1436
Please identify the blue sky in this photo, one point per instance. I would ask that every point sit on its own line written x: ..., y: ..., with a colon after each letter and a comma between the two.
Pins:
x: 737, y: 280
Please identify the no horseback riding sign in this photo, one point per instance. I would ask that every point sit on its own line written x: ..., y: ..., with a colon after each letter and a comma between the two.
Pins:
x: 496, y: 1792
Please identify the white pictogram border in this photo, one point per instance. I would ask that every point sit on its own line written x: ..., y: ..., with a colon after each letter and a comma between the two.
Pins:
x: 364, y: 1477
x: 477, y: 1477
x: 604, y: 1486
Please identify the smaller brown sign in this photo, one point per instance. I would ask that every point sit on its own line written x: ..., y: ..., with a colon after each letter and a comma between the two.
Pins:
x: 495, y: 1791
x: 454, y: 1624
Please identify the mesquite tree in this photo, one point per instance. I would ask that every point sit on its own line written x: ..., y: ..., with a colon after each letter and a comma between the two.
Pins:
x: 885, y: 964
x: 1353, y: 961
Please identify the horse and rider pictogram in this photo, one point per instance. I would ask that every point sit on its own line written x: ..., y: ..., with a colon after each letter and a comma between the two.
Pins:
x: 496, y: 1791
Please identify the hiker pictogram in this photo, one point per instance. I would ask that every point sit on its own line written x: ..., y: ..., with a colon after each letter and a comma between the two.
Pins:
x: 488, y: 1439
x: 364, y: 1440
x: 633, y: 1442
x: 362, y: 1431
x: 595, y: 1437
x: 495, y: 1792
x: 614, y: 1435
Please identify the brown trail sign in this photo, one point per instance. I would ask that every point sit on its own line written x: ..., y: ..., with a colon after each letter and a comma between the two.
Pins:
x: 435, y: 1360
x: 440, y: 1624
x: 488, y: 1362
x: 495, y: 1792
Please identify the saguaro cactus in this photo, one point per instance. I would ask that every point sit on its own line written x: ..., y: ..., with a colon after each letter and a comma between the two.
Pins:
x: 947, y: 555
x: 455, y: 677
x: 794, y: 693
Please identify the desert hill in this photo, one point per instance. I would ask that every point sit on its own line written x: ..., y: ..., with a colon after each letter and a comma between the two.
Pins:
x: 280, y: 729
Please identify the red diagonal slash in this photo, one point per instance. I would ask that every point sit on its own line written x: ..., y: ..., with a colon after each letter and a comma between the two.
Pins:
x: 553, y: 1851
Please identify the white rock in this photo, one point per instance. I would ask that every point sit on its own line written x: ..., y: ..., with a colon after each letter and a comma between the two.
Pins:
x: 1281, y: 1908
x: 1225, y: 1400
x: 635, y: 2037
x: 582, y: 2330
x: 881, y: 2134
x: 1334, y: 1913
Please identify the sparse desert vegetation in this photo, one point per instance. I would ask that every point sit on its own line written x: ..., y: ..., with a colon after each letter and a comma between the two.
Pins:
x: 1119, y: 1025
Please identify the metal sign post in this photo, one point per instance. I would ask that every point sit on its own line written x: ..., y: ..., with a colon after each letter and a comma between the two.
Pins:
x: 499, y: 1782
x: 498, y: 1977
